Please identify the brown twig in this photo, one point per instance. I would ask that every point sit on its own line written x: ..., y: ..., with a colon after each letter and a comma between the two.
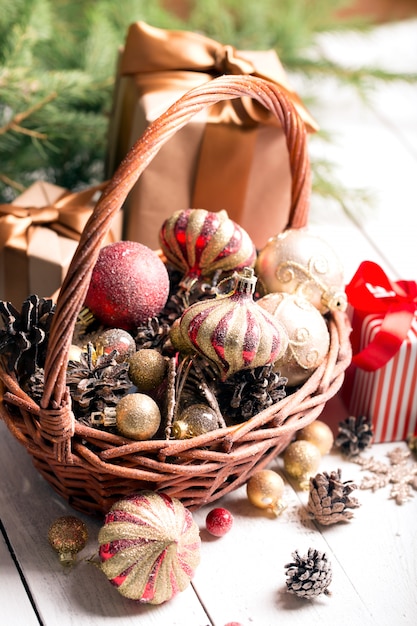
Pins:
x: 15, y: 122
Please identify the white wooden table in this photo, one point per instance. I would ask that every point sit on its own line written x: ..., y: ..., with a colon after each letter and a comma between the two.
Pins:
x: 241, y: 577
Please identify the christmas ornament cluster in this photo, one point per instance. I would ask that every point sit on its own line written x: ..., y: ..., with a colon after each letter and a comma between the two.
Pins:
x: 202, y: 334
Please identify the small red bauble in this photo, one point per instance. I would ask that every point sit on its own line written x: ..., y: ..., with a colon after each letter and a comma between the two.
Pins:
x: 129, y: 285
x: 219, y: 521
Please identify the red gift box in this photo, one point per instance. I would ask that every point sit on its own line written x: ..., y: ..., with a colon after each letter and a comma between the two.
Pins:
x: 381, y: 383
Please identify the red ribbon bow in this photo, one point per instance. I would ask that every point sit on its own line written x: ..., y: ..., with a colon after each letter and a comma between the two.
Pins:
x: 371, y: 291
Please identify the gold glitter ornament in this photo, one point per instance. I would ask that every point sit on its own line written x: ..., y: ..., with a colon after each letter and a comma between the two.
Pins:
x: 147, y: 369
x: 296, y: 261
x: 149, y: 547
x: 319, y: 434
x: 301, y: 461
x: 68, y: 535
x: 308, y: 335
x: 137, y: 416
x: 194, y: 420
x: 265, y: 489
x: 115, y: 339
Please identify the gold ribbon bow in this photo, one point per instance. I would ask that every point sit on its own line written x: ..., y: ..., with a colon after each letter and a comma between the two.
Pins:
x: 67, y: 216
x: 170, y: 61
x: 32, y: 260
x: 149, y: 49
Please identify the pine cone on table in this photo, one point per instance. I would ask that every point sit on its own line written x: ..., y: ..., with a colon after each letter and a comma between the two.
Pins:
x: 310, y: 575
x: 355, y: 435
x: 329, y: 499
x: 25, y: 335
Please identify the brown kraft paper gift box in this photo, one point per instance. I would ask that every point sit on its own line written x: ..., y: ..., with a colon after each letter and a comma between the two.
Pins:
x: 232, y: 156
x: 39, y: 233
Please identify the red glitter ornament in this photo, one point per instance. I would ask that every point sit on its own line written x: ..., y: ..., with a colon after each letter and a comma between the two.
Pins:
x: 219, y: 521
x: 129, y: 285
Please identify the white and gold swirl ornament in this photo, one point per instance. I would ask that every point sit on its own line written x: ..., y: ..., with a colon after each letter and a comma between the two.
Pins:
x: 297, y: 261
x: 149, y: 547
x: 307, y: 332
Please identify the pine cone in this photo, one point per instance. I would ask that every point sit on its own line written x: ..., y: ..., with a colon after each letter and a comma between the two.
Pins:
x: 329, y: 499
x: 96, y: 386
x: 25, y: 335
x: 355, y: 435
x: 153, y: 334
x: 248, y: 392
x: 35, y: 384
x: 310, y: 575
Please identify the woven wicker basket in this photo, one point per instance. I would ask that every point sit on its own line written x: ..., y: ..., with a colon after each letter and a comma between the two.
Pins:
x: 92, y: 468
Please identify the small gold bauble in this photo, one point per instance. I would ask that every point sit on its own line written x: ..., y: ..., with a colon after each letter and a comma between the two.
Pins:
x: 319, y: 434
x: 301, y: 461
x: 137, y: 416
x: 194, y: 420
x: 308, y: 335
x: 68, y: 535
x: 115, y: 339
x: 147, y: 369
x: 265, y: 489
x: 297, y: 261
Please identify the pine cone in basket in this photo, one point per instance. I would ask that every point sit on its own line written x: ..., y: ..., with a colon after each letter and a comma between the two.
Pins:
x: 96, y: 385
x: 35, y: 384
x: 309, y: 576
x: 329, y: 499
x: 248, y: 392
x: 355, y: 435
x: 25, y: 335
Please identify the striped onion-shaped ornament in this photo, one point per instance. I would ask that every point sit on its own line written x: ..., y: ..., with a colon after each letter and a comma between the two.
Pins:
x: 199, y: 242
x: 232, y: 330
x: 149, y: 547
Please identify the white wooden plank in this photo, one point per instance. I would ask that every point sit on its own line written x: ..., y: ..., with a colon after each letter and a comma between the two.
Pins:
x: 83, y: 596
x: 16, y: 607
x: 242, y: 574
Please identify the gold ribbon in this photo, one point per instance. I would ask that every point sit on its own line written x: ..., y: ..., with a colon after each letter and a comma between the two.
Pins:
x: 22, y: 235
x: 149, y: 49
x: 67, y: 216
x: 176, y: 61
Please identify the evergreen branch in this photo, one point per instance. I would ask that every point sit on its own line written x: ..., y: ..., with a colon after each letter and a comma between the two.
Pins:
x: 14, y: 123
x: 11, y: 183
x: 349, y: 75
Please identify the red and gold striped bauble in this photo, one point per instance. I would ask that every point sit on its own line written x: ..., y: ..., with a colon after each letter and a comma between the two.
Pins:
x: 149, y: 547
x: 200, y: 242
x: 232, y: 330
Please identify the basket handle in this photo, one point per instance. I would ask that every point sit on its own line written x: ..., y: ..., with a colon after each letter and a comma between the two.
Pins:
x: 76, y: 282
